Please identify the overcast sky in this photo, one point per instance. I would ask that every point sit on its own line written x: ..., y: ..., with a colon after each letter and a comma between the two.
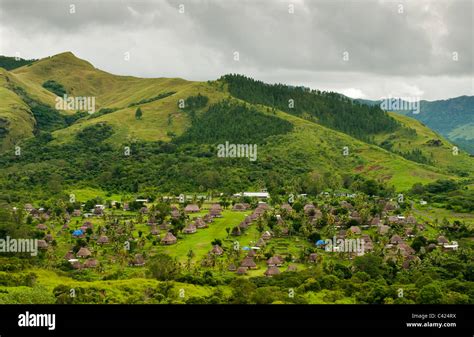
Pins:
x: 361, y: 48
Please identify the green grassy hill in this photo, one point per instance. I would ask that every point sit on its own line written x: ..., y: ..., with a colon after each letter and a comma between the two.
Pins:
x: 387, y: 147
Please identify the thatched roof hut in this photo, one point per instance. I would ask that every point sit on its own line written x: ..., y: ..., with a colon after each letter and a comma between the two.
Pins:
x: 190, y: 229
x: 248, y: 262
x: 207, y: 218
x: 274, y: 261
x: 191, y: 208
x: 239, y: 207
x: 251, y: 253
x: 261, y: 243
x: 383, y: 229
x: 217, y: 250
x: 42, y: 244
x: 272, y: 271
x: 313, y: 257
x: 83, y: 252
x: 267, y: 235
x: 138, y: 261
x: 236, y: 231
x: 200, y: 223
x: 215, y: 213
x: 69, y: 255
x: 241, y: 270
x: 442, y: 240
x: 287, y: 207
x: 355, y: 230
x: 232, y: 267
x: 48, y: 238
x: 76, y: 265
x: 309, y: 208
x: 103, y: 240
x: 292, y: 267
x: 396, y: 239
x: 91, y: 263
x: 175, y: 214
x: 169, y: 239
x: 42, y: 227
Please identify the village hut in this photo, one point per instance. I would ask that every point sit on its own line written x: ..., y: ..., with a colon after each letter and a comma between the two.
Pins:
x: 355, y: 230
x: 232, y: 267
x: 83, y: 252
x: 69, y: 255
x: 249, y: 263
x: 272, y: 271
x: 287, y: 208
x: 292, y: 267
x: 169, y: 239
x: 383, y: 229
x: 313, y: 257
x: 217, y: 250
x: 103, y: 240
x: 239, y: 207
x: 42, y: 244
x: 91, y: 263
x: 200, y: 223
x: 261, y: 243
x: 274, y: 261
x: 396, y: 239
x: 48, y: 237
x: 138, y: 260
x: 207, y: 218
x: 442, y: 240
x: 267, y: 235
x: 241, y: 270
x: 189, y: 229
x: 191, y: 208
x: 42, y: 227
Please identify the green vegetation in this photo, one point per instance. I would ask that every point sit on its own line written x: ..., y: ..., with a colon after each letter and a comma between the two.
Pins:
x: 10, y: 63
x: 55, y: 87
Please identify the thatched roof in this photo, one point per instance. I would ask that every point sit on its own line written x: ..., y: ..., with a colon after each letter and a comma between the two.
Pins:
x: 232, y: 267
x: 313, y: 257
x: 191, y: 208
x: 267, y: 235
x: 91, y: 263
x: 375, y: 221
x: 83, y: 252
x: 217, y: 207
x: 139, y: 260
x: 271, y: 271
x: 207, y: 218
x: 248, y: 262
x: 308, y: 208
x: 48, y: 237
x: 103, y: 240
x: 396, y: 239
x: 411, y: 220
x: 287, y: 207
x: 239, y: 207
x: 260, y: 243
x: 175, y: 213
x: 69, y: 255
x: 42, y: 244
x: 189, y: 229
x: 292, y: 267
x: 42, y: 227
x: 441, y: 239
x: 355, y: 230
x: 217, y: 250
x: 200, y: 223
x: 242, y: 270
x: 169, y: 239
x: 383, y: 229
x: 274, y: 261
x: 251, y: 253
x: 216, y: 213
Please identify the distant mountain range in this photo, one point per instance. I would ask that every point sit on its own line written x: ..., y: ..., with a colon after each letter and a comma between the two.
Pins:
x: 452, y: 118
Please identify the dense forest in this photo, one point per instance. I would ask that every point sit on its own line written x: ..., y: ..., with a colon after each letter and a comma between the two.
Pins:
x: 10, y: 63
x: 327, y: 108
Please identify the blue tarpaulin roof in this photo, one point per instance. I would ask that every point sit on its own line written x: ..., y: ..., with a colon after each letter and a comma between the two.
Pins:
x: 320, y: 242
x: 77, y: 232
